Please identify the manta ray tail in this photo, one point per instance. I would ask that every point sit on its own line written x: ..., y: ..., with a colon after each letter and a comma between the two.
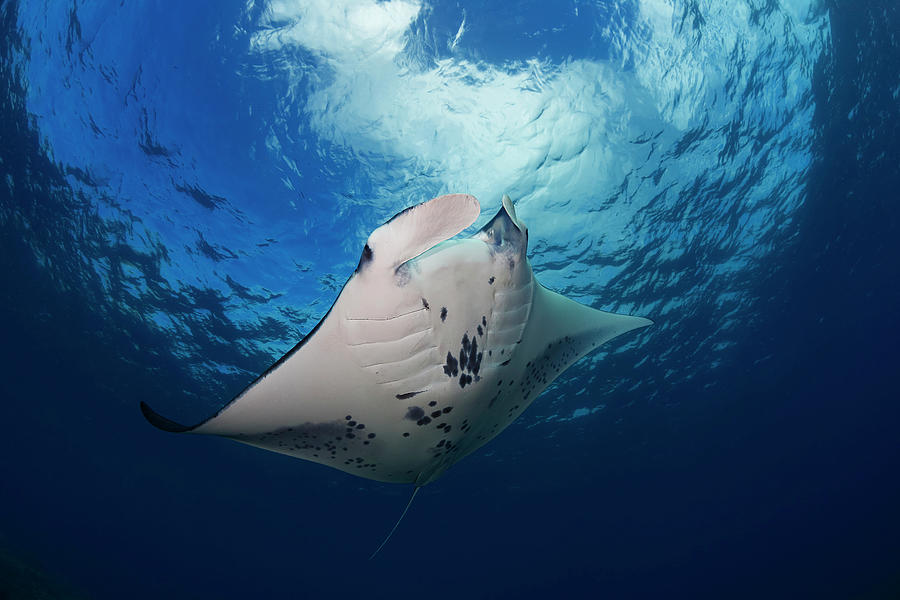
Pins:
x: 408, y: 504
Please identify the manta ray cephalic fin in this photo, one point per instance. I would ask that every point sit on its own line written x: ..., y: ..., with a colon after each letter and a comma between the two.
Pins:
x: 419, y: 228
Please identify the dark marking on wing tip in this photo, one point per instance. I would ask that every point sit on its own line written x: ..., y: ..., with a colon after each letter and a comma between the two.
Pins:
x: 443, y: 314
x: 161, y: 422
x: 425, y: 304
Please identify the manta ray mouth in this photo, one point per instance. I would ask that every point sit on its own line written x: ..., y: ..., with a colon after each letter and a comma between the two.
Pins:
x: 505, y: 231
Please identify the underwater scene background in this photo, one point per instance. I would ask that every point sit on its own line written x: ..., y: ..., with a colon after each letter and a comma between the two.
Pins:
x: 185, y: 189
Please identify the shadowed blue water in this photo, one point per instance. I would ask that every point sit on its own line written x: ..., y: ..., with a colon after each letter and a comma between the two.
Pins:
x: 185, y: 193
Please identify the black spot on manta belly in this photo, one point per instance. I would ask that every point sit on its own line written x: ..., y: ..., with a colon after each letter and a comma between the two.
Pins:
x: 425, y: 304
x: 477, y: 364
x: 451, y: 369
x: 443, y: 313
x: 414, y: 413
x: 464, y: 351
x: 407, y: 395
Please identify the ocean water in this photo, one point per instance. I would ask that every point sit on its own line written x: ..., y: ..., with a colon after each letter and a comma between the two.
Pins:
x: 186, y: 188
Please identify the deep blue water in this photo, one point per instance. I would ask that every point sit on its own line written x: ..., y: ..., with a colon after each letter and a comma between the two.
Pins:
x: 185, y: 191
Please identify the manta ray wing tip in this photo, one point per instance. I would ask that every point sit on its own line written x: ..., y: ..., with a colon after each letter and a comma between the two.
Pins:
x: 161, y: 422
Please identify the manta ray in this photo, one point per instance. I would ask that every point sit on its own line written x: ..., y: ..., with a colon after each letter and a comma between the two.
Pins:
x: 432, y: 348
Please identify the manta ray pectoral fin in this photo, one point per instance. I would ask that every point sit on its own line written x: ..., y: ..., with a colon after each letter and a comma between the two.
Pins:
x: 556, y: 317
x: 418, y: 228
x: 161, y: 422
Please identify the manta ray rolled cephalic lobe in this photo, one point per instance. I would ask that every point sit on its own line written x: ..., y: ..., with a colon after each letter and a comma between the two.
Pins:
x: 433, y: 347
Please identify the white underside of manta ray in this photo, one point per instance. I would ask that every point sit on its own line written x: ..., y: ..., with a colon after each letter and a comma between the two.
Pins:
x: 433, y: 347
